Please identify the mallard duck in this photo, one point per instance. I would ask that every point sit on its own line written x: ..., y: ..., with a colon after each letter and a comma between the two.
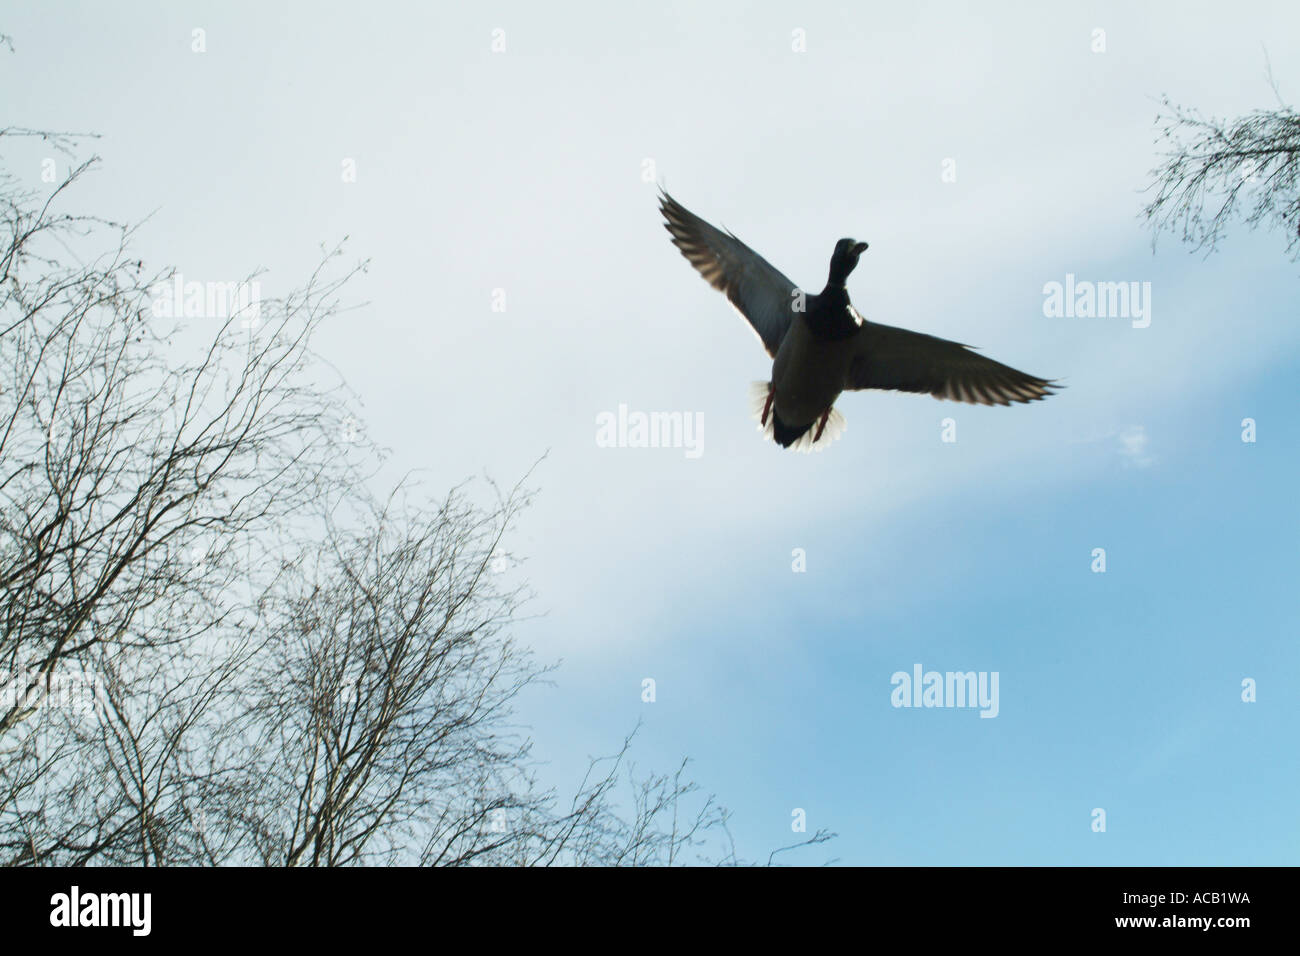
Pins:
x: 821, y: 345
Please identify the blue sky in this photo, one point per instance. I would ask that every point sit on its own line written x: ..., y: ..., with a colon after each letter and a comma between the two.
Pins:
x: 522, y: 171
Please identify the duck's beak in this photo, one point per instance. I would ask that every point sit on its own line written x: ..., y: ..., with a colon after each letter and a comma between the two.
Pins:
x: 859, y: 248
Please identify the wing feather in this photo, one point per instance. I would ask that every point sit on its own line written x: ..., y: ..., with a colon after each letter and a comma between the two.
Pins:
x: 890, y: 358
x: 757, y: 290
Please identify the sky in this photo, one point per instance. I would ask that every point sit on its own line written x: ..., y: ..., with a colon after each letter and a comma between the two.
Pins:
x: 521, y: 285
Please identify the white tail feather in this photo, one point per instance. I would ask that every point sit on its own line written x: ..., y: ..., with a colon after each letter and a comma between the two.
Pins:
x: 835, y: 425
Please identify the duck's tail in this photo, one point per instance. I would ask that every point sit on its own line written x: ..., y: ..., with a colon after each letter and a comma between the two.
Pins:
x: 811, y: 437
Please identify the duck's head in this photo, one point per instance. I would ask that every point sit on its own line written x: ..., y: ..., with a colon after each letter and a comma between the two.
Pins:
x: 845, y: 259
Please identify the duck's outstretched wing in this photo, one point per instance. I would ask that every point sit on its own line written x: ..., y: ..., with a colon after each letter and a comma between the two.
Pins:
x: 890, y: 358
x: 754, y: 287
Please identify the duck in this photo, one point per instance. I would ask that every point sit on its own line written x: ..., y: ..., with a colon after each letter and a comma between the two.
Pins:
x: 821, y: 346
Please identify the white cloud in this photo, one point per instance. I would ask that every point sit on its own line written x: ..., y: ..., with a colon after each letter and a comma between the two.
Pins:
x: 1133, y: 442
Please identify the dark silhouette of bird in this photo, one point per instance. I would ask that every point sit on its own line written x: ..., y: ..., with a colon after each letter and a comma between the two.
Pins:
x: 821, y: 345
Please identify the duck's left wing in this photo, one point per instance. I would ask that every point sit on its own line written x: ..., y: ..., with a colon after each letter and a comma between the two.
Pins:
x: 754, y: 286
x: 890, y: 358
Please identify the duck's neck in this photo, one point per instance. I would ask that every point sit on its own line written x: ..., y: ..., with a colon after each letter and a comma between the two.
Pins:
x: 831, y: 317
x: 841, y: 267
x: 835, y: 293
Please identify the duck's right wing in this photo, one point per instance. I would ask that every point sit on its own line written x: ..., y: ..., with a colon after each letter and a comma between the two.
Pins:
x: 760, y: 293
x: 890, y: 358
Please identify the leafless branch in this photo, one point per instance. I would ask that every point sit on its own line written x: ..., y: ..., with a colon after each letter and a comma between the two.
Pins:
x: 1216, y: 171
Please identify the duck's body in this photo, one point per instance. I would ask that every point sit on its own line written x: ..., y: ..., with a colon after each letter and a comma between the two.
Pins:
x: 812, y: 364
x: 799, y: 399
x: 821, y: 346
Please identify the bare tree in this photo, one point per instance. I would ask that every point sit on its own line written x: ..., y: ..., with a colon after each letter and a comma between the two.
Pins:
x: 1215, y: 171
x: 385, y: 714
x: 140, y: 492
x: 389, y: 679
x: 132, y: 481
x: 215, y: 646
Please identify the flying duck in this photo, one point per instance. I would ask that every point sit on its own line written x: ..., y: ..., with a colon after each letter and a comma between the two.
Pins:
x: 822, y: 346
